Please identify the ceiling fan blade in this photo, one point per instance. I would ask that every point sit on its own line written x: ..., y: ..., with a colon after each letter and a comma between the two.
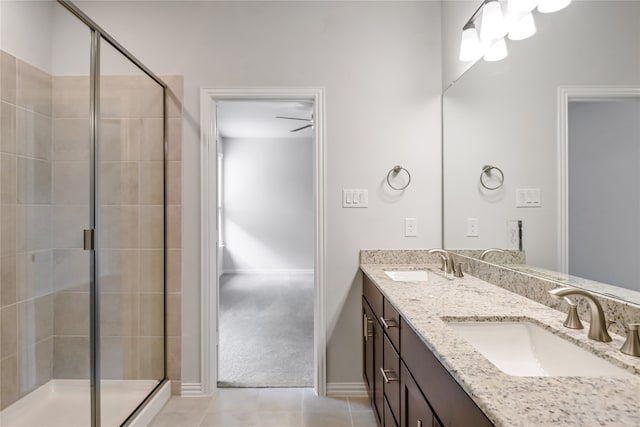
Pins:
x: 303, y: 127
x: 293, y: 118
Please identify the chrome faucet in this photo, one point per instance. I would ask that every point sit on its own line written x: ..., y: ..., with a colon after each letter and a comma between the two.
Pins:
x: 488, y: 251
x: 447, y: 260
x: 597, y: 324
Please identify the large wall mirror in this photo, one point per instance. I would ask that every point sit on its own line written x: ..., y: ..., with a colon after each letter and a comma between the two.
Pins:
x: 560, y: 117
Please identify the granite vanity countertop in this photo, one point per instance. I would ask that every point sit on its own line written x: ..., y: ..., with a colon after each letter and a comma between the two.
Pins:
x: 509, y: 400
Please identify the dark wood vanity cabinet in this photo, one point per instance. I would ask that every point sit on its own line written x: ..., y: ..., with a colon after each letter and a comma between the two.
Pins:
x: 407, y: 385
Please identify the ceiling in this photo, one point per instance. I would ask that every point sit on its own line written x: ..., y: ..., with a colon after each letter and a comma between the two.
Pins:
x: 257, y: 118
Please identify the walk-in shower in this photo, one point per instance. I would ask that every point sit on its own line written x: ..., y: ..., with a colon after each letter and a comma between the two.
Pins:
x: 82, y: 222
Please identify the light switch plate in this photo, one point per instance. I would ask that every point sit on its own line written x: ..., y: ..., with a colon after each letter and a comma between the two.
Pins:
x: 355, y: 198
x: 528, y: 198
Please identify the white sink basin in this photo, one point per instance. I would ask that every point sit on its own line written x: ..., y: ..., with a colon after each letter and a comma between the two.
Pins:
x: 527, y: 350
x: 408, y: 275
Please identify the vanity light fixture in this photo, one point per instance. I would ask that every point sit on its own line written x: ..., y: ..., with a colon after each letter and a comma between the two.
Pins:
x: 494, y: 25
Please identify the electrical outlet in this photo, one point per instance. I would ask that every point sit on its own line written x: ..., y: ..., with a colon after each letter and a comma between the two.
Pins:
x: 410, y: 227
x: 473, y: 227
x: 513, y: 234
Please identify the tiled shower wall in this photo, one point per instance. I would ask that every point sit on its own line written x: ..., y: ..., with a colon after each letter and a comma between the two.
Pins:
x: 44, y: 179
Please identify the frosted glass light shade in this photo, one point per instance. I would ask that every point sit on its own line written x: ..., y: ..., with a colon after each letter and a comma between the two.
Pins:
x: 550, y: 6
x: 497, y: 51
x: 523, y: 28
x: 521, y: 7
x: 470, y: 46
x: 493, y: 24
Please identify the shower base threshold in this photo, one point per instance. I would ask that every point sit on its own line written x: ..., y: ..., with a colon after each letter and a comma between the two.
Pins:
x: 67, y: 403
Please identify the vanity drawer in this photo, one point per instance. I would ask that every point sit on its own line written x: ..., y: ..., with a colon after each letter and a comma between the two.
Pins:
x: 372, y: 295
x: 391, y: 323
x: 391, y: 367
x: 448, y: 400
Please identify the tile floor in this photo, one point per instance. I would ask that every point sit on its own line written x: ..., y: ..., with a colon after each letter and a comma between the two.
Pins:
x: 265, y: 407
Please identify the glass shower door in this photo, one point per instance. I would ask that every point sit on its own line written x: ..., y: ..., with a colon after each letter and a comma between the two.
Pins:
x: 130, y: 235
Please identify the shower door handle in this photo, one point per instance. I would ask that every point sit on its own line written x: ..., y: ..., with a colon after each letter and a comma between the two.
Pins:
x: 88, y: 240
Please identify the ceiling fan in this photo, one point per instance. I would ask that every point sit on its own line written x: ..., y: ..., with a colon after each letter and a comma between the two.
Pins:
x: 297, y: 118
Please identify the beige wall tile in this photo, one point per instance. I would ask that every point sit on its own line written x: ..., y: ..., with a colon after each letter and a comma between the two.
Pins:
x: 9, y: 383
x: 152, y: 270
x: 7, y: 77
x: 7, y: 280
x: 151, y: 227
x: 173, y: 358
x: 34, y: 181
x: 8, y: 331
x: 33, y: 88
x: 151, y: 363
x: 33, y: 274
x: 44, y: 361
x: 151, y: 315
x: 33, y: 134
x: 119, y: 183
x: 120, y: 226
x: 71, y: 139
x: 174, y: 315
x: 71, y: 313
x: 130, y: 96
x: 33, y: 227
x: 71, y: 357
x: 174, y: 270
x: 174, y: 183
x: 8, y: 183
x: 176, y: 387
x: 7, y: 128
x: 119, y: 358
x: 35, y: 321
x: 71, y: 96
x: 151, y: 183
x: 120, y: 139
x: 71, y: 183
x: 119, y: 314
x: 152, y: 140
x: 174, y: 139
x: 71, y: 269
x: 119, y: 270
x: 7, y: 229
x: 68, y: 223
x: 174, y: 227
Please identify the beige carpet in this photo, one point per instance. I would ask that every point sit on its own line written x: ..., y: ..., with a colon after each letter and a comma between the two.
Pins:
x: 265, y: 331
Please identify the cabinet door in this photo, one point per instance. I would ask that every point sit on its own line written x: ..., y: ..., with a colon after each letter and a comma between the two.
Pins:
x: 414, y: 409
x: 367, y: 347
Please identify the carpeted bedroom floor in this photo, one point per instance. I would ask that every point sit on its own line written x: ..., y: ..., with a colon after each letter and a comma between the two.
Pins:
x: 265, y: 331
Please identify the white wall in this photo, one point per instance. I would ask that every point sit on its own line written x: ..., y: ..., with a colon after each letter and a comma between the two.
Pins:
x: 380, y: 65
x: 268, y: 205
x: 505, y: 114
x: 604, y: 202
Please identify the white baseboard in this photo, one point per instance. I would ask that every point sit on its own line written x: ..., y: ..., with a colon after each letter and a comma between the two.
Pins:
x: 346, y: 389
x: 266, y: 272
x: 191, y: 389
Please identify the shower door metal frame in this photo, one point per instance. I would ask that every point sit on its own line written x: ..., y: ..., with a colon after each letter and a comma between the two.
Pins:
x: 97, y: 35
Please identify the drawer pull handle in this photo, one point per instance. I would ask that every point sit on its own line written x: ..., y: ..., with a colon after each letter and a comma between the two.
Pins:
x: 365, y: 327
x: 389, y: 323
x: 388, y: 379
x: 419, y: 423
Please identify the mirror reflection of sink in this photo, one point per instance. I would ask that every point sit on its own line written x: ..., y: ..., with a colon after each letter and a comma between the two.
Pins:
x: 408, y: 275
x: 526, y: 349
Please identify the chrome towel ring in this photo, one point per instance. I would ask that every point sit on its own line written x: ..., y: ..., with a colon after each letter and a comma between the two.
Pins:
x: 393, y: 173
x: 487, y: 171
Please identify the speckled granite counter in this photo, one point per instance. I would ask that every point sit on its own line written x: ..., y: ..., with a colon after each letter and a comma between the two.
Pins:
x: 509, y: 400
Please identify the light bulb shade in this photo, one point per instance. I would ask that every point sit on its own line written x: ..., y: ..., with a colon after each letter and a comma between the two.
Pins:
x: 493, y: 24
x: 470, y: 46
x: 523, y: 28
x: 550, y: 6
x: 497, y: 51
x: 521, y: 7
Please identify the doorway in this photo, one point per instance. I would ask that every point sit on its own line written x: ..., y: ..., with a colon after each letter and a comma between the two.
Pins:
x: 263, y: 263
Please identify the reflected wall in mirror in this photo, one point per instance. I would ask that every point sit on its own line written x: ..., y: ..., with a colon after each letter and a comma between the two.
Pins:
x: 517, y: 114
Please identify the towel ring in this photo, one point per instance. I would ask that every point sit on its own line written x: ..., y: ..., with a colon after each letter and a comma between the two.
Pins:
x: 486, y: 170
x: 395, y: 171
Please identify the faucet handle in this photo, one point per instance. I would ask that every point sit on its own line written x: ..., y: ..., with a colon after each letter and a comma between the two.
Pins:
x: 573, y: 320
x: 632, y: 345
x: 457, y: 272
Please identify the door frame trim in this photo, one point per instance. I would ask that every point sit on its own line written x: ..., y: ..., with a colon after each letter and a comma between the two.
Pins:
x: 565, y: 95
x: 208, y: 215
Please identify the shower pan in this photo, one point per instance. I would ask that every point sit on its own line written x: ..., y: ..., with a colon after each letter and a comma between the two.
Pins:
x: 82, y: 222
